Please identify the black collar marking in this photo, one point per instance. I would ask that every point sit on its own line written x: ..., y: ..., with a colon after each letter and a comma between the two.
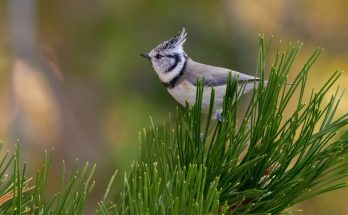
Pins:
x: 170, y: 84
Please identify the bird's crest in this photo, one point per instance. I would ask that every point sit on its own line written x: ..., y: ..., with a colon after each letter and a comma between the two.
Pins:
x: 175, y: 42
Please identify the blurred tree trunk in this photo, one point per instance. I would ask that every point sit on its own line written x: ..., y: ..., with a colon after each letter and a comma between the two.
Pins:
x: 40, y: 113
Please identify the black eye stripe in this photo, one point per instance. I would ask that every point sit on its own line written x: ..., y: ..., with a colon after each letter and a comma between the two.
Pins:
x: 158, y: 56
x: 172, y: 56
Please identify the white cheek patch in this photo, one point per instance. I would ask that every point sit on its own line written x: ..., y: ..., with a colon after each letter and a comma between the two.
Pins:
x: 168, y: 76
x: 165, y: 76
x: 166, y: 63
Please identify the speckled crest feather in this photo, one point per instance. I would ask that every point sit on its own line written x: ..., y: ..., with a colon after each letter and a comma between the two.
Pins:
x: 173, y: 43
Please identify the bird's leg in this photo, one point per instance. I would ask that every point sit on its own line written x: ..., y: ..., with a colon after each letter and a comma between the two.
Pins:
x: 212, y: 124
x: 202, y: 136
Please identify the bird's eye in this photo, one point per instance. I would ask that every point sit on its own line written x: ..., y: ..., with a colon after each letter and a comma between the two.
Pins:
x: 158, y: 56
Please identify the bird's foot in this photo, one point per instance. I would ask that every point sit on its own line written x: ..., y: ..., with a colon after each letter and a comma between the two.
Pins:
x: 219, y: 115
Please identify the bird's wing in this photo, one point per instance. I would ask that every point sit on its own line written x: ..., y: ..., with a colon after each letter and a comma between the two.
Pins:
x: 213, y: 76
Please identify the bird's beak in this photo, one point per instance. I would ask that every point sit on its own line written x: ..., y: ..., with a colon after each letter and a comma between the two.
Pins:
x: 146, y: 55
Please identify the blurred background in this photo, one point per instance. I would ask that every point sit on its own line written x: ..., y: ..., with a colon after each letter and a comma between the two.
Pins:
x: 72, y: 78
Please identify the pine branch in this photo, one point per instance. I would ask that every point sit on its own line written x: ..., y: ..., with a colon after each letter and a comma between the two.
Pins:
x: 20, y: 194
x: 258, y: 164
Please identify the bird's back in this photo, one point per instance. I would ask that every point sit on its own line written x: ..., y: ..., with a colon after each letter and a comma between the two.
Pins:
x: 212, y: 75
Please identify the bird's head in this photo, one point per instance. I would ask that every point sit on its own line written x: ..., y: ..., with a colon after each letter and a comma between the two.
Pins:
x: 168, y: 58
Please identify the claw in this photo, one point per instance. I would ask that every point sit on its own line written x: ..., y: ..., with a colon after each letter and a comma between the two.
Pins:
x: 219, y: 115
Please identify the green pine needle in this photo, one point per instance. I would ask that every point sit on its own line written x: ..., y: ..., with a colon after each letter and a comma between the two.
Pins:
x: 20, y: 194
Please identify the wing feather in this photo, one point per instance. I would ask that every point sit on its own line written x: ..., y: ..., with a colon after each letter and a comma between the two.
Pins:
x: 213, y: 76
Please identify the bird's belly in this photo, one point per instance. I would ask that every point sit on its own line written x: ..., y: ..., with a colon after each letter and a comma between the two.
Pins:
x: 185, y: 93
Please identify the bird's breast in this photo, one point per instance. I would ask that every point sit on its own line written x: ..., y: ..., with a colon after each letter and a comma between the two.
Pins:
x: 186, y: 92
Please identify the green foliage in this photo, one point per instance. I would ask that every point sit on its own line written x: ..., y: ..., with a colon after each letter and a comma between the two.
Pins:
x: 263, y: 162
x: 21, y: 194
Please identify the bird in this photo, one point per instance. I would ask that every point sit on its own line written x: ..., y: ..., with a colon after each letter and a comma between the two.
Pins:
x: 179, y: 74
